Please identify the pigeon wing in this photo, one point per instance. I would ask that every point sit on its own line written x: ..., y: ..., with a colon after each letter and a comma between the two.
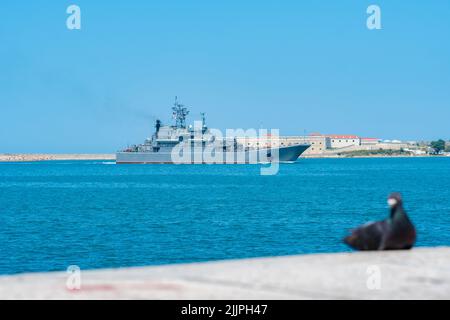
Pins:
x: 369, y: 236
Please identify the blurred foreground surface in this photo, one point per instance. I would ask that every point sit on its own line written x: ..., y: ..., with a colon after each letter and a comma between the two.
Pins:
x: 422, y: 273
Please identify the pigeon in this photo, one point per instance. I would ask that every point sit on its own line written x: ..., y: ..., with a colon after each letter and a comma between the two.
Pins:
x: 394, y: 233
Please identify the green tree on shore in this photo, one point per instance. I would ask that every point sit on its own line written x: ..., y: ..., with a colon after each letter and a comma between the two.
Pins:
x: 438, y: 145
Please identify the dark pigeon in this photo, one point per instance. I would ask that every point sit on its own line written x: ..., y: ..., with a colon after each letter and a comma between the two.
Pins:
x: 395, y: 233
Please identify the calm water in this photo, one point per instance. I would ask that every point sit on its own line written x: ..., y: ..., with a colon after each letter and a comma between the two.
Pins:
x: 97, y: 214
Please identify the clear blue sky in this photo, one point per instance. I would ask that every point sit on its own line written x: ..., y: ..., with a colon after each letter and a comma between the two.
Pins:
x: 292, y: 65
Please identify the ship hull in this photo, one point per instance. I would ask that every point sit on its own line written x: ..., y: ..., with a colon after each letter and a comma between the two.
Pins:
x: 283, y: 154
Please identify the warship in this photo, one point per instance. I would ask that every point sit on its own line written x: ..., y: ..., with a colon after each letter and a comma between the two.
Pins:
x: 181, y: 144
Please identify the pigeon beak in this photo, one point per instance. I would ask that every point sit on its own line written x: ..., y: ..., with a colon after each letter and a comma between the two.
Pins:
x: 392, y: 202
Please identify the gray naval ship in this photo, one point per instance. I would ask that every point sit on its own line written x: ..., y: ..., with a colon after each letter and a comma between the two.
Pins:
x: 181, y: 144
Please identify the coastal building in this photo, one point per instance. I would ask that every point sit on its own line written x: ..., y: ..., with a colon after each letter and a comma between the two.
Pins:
x: 319, y: 143
x: 327, y: 145
x: 417, y: 152
x: 370, y: 141
x: 342, y: 141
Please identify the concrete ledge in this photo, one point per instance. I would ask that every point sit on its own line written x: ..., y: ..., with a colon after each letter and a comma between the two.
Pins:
x: 422, y: 273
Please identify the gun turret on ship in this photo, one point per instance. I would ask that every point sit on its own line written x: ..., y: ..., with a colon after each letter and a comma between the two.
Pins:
x: 196, y: 144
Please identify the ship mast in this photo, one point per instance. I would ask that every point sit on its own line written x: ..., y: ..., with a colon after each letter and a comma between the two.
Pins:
x: 203, y: 122
x: 179, y: 114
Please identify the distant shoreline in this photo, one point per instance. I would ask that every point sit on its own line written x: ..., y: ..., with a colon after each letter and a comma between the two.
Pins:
x: 112, y: 157
x: 54, y: 157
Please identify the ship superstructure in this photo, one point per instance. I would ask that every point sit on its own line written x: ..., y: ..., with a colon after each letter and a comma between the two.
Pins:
x: 194, y: 144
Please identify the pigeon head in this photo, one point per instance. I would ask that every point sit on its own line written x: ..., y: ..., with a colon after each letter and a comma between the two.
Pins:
x: 394, y: 200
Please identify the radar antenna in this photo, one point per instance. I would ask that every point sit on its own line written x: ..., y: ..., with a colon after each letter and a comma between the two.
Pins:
x: 179, y: 114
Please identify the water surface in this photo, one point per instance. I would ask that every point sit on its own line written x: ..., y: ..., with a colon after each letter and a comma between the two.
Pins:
x: 95, y: 214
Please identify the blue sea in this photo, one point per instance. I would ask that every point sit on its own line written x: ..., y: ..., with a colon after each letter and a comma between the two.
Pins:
x: 96, y: 214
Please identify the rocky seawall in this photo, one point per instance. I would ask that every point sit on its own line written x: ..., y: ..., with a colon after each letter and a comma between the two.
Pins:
x: 50, y: 157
